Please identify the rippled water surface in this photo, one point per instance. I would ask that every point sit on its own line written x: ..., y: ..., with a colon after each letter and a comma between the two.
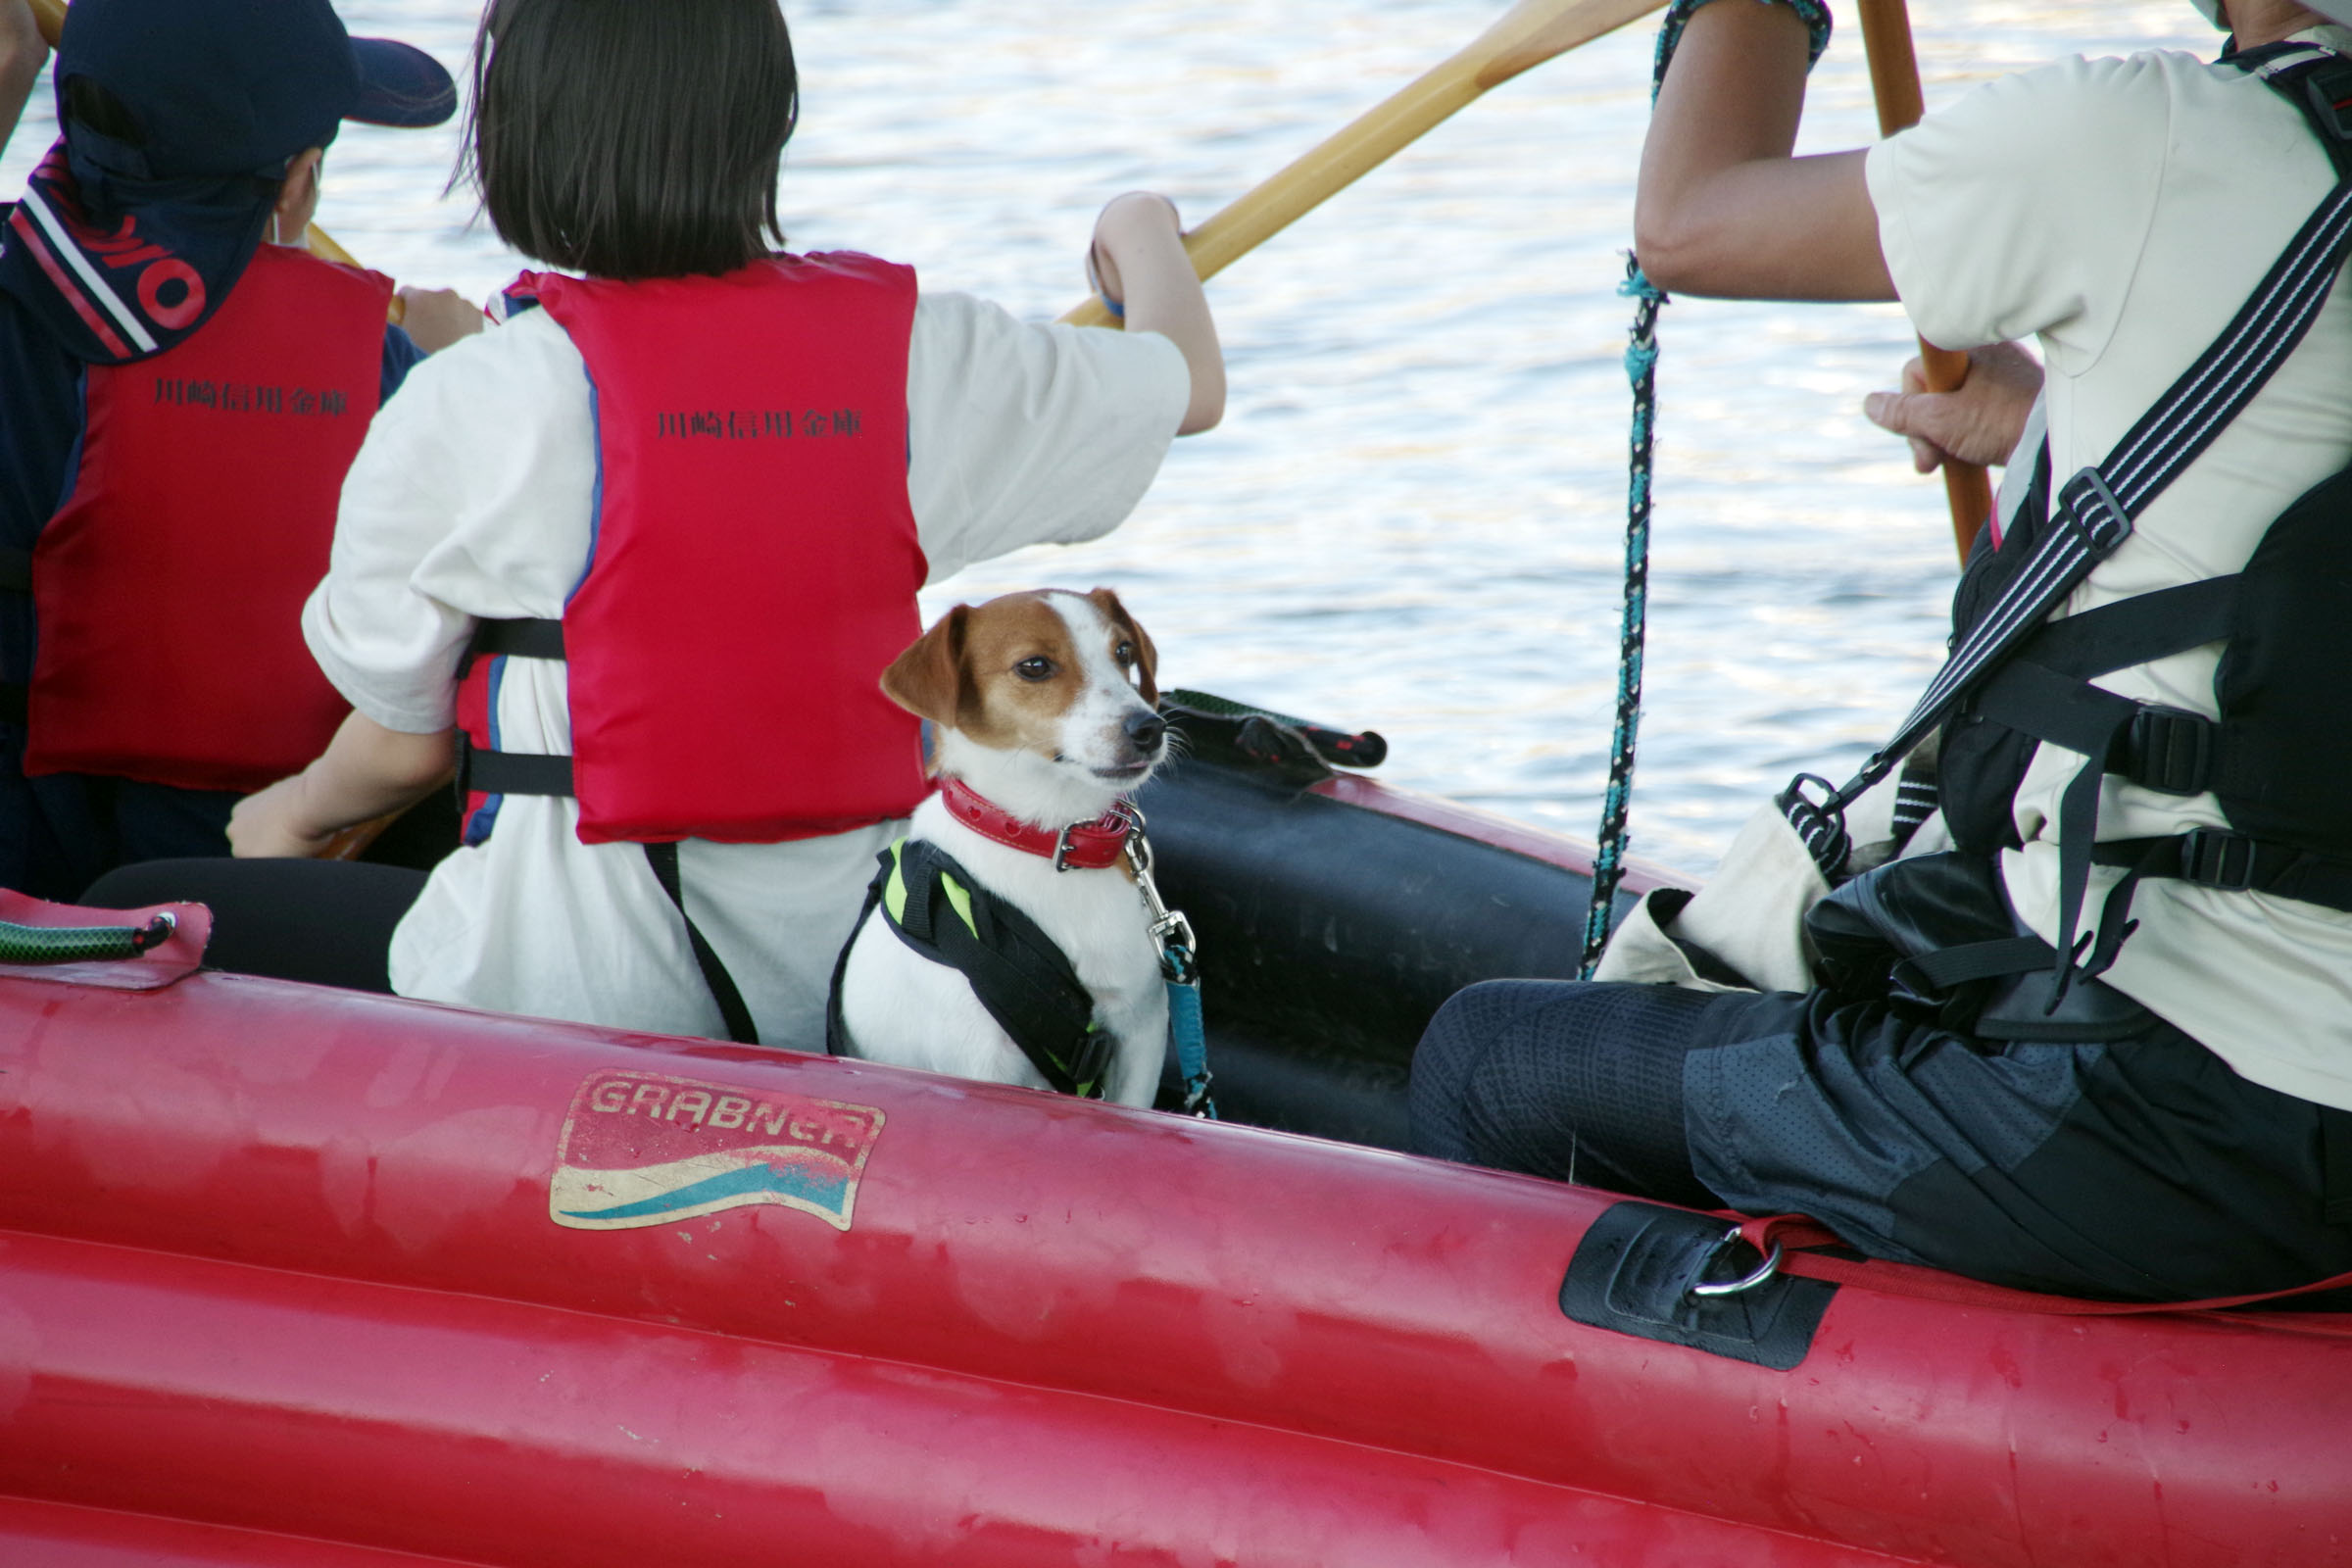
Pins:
x: 1412, y: 516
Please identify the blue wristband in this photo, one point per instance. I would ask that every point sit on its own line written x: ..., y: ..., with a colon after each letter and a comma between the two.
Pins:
x: 1813, y: 13
x: 1094, y: 275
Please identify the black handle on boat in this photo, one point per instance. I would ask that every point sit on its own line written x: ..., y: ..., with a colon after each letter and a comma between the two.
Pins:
x: 1363, y: 749
x: 44, y: 944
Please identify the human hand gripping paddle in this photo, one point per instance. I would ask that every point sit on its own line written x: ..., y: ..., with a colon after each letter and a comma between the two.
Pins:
x: 1523, y: 38
x: 1894, y: 87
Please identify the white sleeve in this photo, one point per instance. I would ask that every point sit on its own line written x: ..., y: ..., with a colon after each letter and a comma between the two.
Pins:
x: 389, y: 650
x: 471, y: 497
x: 1023, y: 434
x: 2023, y: 208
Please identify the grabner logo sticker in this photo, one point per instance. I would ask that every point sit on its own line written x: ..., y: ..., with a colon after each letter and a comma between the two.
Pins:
x: 642, y: 1148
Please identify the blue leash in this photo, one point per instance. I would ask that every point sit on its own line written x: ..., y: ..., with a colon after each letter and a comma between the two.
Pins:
x: 1641, y: 370
x: 1179, y: 968
x: 1186, y: 1031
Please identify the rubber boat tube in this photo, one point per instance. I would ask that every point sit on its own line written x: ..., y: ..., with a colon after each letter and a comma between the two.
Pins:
x: 280, y: 1264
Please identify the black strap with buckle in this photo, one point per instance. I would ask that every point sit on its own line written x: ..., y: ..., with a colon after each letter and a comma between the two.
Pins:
x: 2168, y: 750
x: 2216, y: 858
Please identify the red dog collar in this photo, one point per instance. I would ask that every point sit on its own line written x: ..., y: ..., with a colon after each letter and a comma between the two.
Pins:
x: 1080, y: 846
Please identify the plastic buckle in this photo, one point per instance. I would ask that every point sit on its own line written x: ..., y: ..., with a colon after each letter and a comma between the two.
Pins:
x: 2329, y: 91
x: 2216, y: 858
x: 2094, y: 511
x: 2168, y: 750
x: 1818, y: 824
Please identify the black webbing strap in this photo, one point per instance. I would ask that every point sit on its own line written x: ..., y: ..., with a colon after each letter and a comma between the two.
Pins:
x: 510, y: 772
x: 519, y: 639
x: 2216, y: 858
x: 2134, y: 631
x: 663, y: 859
x: 1018, y: 973
x: 1917, y: 795
x: 836, y: 1032
x: 1930, y: 974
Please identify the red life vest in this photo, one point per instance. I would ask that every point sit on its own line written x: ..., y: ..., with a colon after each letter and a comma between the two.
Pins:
x: 755, y: 562
x: 169, y: 589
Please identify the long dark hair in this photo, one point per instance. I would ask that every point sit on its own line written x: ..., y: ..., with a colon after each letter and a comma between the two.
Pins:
x: 632, y: 138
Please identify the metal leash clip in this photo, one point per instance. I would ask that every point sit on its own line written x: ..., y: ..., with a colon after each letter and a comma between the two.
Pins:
x: 1171, y: 932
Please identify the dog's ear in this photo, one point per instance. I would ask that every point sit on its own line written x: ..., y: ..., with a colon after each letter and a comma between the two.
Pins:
x: 1147, y: 657
x: 928, y: 679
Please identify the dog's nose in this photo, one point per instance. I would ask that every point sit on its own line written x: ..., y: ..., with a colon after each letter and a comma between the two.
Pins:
x: 1145, y: 731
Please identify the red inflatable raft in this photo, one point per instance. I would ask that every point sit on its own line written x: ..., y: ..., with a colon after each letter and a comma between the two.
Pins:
x: 291, y: 1275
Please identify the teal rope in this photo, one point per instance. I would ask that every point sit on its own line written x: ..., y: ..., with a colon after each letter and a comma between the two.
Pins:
x: 1641, y: 370
x: 1815, y: 15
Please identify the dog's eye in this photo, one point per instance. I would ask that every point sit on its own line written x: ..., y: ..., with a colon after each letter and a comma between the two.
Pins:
x: 1124, y: 654
x: 1036, y: 667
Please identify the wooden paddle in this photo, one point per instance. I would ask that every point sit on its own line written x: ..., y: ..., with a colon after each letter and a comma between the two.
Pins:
x: 1528, y: 34
x: 50, y: 16
x: 1894, y: 85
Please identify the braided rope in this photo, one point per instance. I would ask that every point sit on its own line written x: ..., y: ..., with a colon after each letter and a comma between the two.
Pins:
x: 1641, y: 370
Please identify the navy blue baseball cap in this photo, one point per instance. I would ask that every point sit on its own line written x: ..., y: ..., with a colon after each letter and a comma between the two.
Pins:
x: 221, y: 87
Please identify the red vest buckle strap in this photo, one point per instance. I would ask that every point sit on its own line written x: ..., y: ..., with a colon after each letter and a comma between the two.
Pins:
x: 1079, y: 847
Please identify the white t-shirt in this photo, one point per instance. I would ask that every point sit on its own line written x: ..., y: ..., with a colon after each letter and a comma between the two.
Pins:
x: 2122, y: 211
x: 473, y: 498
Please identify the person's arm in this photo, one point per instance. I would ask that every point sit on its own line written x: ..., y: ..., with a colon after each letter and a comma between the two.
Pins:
x: 366, y: 772
x: 1722, y: 208
x: 436, y: 317
x: 1140, y: 260
x: 22, y: 53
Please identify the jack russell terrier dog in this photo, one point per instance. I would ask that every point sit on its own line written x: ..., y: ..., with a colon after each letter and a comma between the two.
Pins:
x: 1005, y: 938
